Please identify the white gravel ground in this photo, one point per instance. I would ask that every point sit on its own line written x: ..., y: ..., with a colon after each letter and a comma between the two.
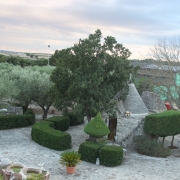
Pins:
x: 16, y: 144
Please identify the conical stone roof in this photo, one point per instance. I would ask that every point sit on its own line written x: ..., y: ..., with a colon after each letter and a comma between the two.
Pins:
x: 134, y: 102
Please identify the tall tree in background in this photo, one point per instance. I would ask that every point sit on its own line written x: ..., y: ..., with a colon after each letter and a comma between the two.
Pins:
x: 167, y: 56
x: 89, y: 74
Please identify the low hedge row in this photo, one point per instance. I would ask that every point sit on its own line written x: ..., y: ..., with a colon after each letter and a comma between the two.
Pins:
x: 108, y: 155
x: 163, y: 124
x: 89, y: 151
x: 16, y: 121
x: 47, y: 133
x: 111, y: 156
x: 61, y: 122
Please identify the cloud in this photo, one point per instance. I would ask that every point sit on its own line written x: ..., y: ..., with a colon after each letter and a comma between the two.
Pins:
x: 31, y: 25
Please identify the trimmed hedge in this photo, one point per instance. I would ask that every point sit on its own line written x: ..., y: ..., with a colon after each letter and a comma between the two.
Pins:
x: 75, y: 119
x: 90, y: 151
x: 46, y: 134
x: 16, y: 121
x: 61, y: 122
x: 163, y: 124
x: 97, y: 127
x: 111, y: 155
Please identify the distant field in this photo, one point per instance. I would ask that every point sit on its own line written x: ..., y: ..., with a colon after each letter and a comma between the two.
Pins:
x: 26, y: 55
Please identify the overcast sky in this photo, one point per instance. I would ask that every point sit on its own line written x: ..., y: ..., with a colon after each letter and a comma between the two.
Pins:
x: 32, y: 25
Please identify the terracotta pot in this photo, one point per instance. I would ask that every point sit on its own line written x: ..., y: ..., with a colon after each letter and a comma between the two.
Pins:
x: 70, y: 170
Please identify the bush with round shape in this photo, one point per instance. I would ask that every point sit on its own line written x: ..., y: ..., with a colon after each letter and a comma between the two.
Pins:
x: 97, y: 127
x: 111, y: 155
x: 90, y: 151
x: 75, y: 119
x: 145, y: 145
x: 45, y: 134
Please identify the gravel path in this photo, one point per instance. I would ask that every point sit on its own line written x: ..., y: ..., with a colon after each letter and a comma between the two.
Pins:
x: 16, y: 144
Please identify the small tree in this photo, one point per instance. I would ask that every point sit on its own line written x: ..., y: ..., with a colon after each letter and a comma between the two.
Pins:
x: 96, y: 128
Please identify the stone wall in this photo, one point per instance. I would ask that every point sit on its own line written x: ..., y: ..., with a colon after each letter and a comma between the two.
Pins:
x: 153, y: 101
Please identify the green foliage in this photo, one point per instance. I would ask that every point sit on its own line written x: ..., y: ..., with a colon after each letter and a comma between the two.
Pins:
x: 163, y: 124
x: 150, y: 147
x: 70, y: 158
x: 45, y: 134
x: 61, y: 122
x: 75, y: 119
x: 111, y: 155
x: 89, y: 74
x: 143, y: 84
x: 97, y: 127
x: 90, y: 151
x: 18, y: 61
x: 17, y: 170
x: 1, y: 177
x: 27, y: 84
x: 36, y: 177
x: 16, y: 121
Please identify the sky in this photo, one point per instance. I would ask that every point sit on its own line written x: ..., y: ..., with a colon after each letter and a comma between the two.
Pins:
x: 32, y: 25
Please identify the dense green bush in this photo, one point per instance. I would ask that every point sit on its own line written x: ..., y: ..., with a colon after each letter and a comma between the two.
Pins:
x: 75, y: 119
x: 90, y: 151
x: 151, y: 147
x: 16, y: 121
x: 111, y: 155
x: 163, y: 124
x: 61, y: 122
x: 45, y: 134
x: 30, y: 115
x: 97, y: 127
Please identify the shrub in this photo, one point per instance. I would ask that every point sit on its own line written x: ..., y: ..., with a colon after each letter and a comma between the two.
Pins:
x: 35, y: 177
x: 75, y: 119
x: 97, y: 127
x: 111, y: 155
x: 16, y: 121
x: 45, y: 134
x: 150, y: 147
x: 163, y: 124
x: 30, y: 116
x: 90, y: 151
x: 70, y: 158
x: 61, y: 122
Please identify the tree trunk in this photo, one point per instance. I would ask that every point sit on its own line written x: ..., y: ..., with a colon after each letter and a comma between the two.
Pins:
x: 89, y: 118
x: 172, y: 142
x: 25, y: 107
x: 45, y: 113
x: 163, y: 140
x: 45, y: 110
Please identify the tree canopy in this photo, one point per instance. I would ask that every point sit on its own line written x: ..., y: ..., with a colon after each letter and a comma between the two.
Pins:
x: 90, y: 73
x: 27, y: 84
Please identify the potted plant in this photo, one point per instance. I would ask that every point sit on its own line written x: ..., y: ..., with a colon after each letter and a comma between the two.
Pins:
x: 70, y: 159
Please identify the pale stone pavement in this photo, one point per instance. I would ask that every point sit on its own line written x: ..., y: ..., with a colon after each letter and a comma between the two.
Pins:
x: 16, y: 144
